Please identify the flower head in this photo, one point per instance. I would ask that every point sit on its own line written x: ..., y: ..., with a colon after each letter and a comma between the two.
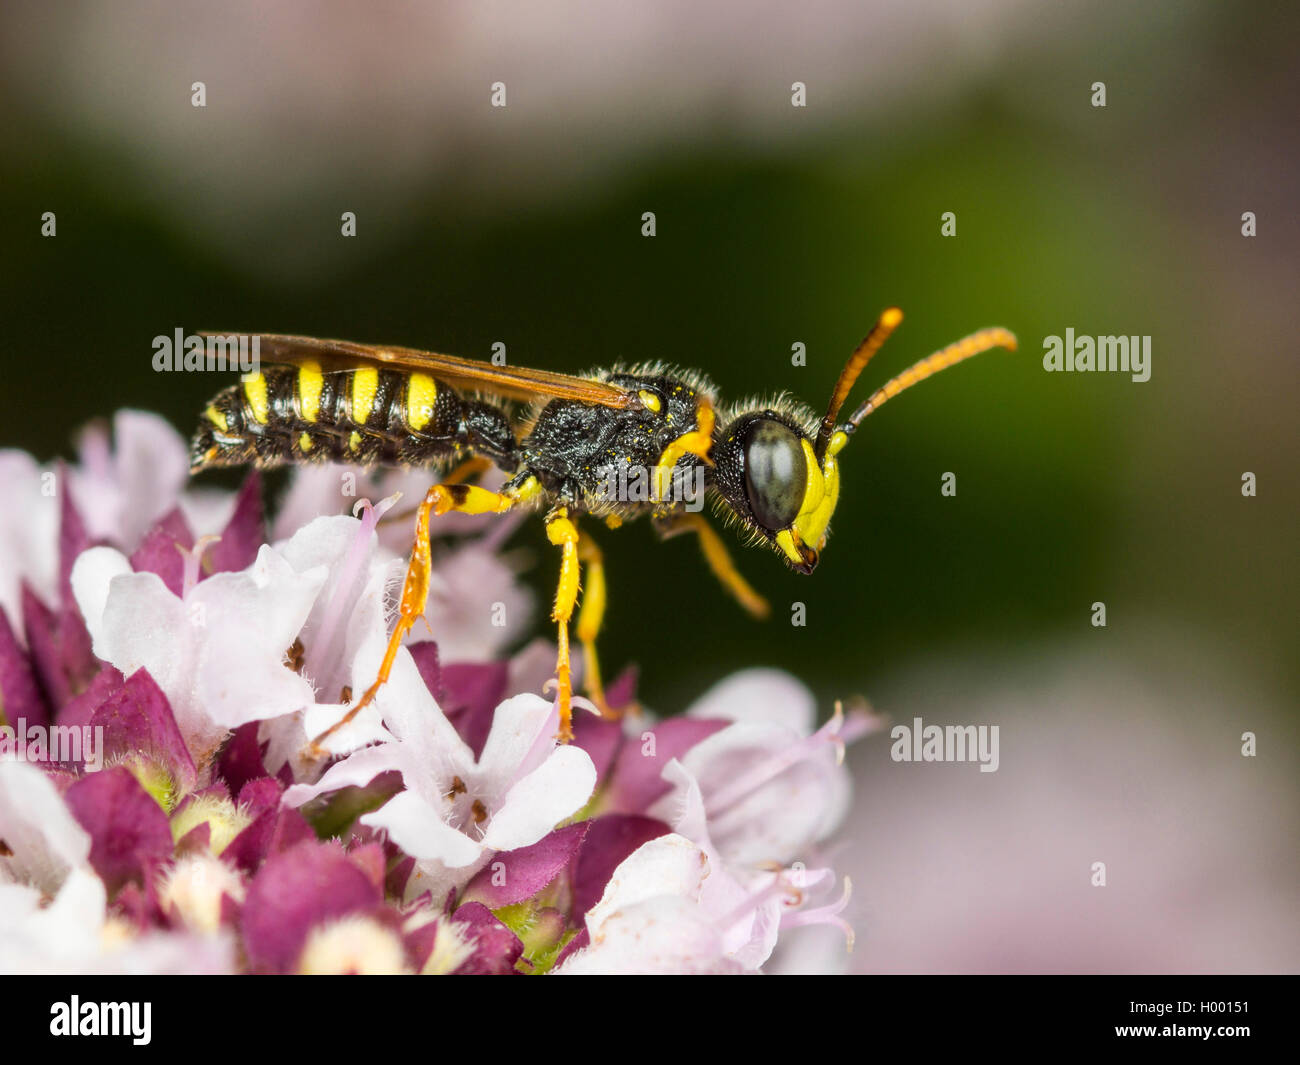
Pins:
x: 444, y: 830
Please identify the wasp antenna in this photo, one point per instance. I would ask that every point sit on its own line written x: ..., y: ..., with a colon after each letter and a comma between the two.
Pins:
x: 862, y: 355
x: 975, y: 344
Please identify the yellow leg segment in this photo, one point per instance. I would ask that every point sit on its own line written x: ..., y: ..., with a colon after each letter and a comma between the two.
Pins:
x: 458, y: 474
x: 564, y: 534
x: 440, y: 499
x: 590, y: 617
x: 719, y: 560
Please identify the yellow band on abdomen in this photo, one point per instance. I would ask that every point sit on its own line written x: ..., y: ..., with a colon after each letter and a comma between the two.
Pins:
x: 310, y: 383
x: 255, y: 394
x: 421, y: 395
x: 365, y: 383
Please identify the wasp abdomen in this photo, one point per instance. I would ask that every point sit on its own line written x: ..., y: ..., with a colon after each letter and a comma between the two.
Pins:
x: 364, y: 416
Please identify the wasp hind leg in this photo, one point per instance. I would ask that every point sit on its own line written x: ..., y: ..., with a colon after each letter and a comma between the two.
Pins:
x: 440, y: 499
x: 718, y: 558
x: 463, y: 471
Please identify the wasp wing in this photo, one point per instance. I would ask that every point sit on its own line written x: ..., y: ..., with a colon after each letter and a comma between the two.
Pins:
x: 514, y: 382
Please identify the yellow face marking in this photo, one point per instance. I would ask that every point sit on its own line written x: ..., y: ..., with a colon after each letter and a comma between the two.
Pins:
x: 365, y: 382
x: 820, y: 497
x: 649, y: 400
x: 310, y: 383
x: 217, y: 418
x: 785, y: 541
x: 421, y: 393
x: 305, y: 443
x: 354, y: 441
x: 255, y: 394
x: 815, y: 488
x: 821, y: 493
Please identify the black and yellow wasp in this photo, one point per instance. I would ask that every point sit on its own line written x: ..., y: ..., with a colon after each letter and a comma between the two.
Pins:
x: 771, y: 468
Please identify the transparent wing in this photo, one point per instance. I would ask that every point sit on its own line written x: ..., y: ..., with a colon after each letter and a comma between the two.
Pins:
x: 514, y: 382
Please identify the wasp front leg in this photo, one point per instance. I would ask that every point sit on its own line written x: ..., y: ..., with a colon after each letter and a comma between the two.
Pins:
x: 440, y: 499
x: 718, y: 558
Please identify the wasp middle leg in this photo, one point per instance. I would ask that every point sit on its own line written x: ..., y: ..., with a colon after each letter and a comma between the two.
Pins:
x: 590, y: 616
x: 440, y: 499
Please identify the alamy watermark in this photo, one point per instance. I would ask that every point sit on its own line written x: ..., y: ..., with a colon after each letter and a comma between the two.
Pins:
x: 77, y: 1018
x: 212, y: 354
x: 918, y: 742
x: 653, y: 484
x: 1113, y: 354
x: 80, y: 744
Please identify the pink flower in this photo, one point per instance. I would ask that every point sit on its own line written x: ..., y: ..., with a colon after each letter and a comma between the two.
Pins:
x: 458, y: 808
x: 444, y: 831
x: 773, y: 785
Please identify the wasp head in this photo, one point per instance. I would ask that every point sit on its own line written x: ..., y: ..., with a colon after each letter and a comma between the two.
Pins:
x: 769, y: 476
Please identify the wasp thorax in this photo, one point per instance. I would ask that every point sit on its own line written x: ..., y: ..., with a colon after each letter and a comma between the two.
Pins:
x: 776, y: 473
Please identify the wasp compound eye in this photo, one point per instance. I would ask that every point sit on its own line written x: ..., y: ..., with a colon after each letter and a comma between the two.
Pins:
x: 776, y: 474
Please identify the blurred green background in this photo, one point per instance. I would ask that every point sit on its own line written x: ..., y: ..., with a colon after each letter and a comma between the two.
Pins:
x: 775, y: 225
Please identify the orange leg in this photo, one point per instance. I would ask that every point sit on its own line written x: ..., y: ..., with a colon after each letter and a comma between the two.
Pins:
x: 440, y: 499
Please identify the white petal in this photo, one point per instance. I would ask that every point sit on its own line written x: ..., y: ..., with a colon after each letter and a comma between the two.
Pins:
x: 17, y: 903
x: 516, y: 729
x: 62, y: 937
x: 356, y: 770
x: 364, y: 729
x: 781, y: 820
x: 46, y: 840
x: 430, y: 751
x: 557, y: 789
x: 322, y: 542
x: 683, y: 807
x: 751, y: 936
x: 269, y: 601
x: 769, y: 696
x: 172, y: 954
x: 669, y: 865
x: 353, y: 599
x: 786, y: 813
x: 92, y: 578
x: 29, y: 532
x: 663, y: 935
x: 152, y: 464
x: 249, y: 621
x: 418, y: 828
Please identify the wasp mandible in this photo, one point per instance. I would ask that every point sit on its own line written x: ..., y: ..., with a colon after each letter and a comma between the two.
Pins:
x: 770, y: 468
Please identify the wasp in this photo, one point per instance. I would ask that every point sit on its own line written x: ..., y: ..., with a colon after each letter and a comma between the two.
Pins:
x: 770, y: 468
